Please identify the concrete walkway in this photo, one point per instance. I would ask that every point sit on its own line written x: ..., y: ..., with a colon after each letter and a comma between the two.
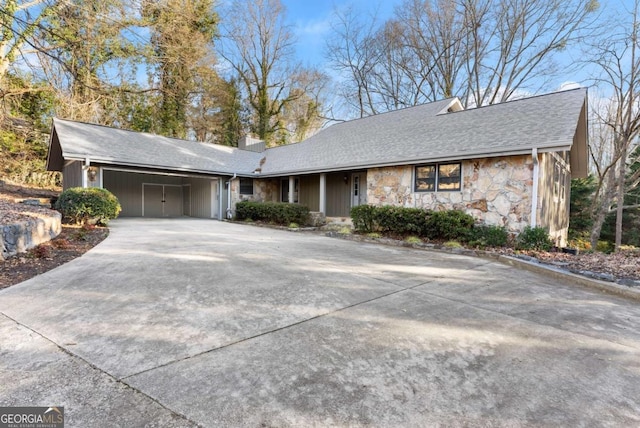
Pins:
x: 201, y: 323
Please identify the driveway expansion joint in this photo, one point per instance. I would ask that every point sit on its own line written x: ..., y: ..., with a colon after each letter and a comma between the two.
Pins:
x: 73, y: 355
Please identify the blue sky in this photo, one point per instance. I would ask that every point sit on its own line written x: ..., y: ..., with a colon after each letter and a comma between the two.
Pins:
x: 312, y: 22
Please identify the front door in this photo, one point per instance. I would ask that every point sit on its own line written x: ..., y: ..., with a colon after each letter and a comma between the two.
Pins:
x: 358, y: 189
x: 161, y: 200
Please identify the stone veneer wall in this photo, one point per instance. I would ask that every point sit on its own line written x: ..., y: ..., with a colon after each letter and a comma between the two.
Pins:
x: 496, y: 191
x: 266, y: 190
x: 19, y: 237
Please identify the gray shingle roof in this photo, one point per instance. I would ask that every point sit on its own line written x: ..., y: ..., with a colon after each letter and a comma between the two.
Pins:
x: 413, y: 135
x: 102, y: 144
x: 419, y: 134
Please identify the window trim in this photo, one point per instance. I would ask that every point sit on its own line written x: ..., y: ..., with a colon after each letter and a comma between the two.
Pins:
x: 437, y: 177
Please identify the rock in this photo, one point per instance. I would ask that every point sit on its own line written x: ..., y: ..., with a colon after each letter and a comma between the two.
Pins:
x: 628, y: 282
x: 480, y: 205
x: 597, y: 275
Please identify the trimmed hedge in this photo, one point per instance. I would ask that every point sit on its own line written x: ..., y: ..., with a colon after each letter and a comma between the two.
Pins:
x: 534, y: 238
x: 88, y: 205
x: 488, y: 236
x: 412, y: 221
x: 273, y: 212
x: 449, y: 225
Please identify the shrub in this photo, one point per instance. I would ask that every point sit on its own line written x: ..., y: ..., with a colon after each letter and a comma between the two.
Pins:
x: 272, y: 212
x: 40, y: 252
x: 413, y: 240
x: 389, y: 219
x: 534, y: 238
x: 400, y: 221
x: 403, y: 221
x: 61, y: 243
x: 345, y: 231
x: 363, y: 218
x: 488, y: 236
x: 449, y: 225
x: 82, y: 205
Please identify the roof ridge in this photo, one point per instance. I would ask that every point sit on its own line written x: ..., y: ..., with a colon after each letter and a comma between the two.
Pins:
x: 357, y: 119
x: 128, y: 130
x: 528, y: 98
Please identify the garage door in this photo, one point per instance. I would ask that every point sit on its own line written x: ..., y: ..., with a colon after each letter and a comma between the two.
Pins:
x: 161, y: 200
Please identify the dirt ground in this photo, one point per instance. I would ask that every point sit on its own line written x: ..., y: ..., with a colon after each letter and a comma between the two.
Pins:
x: 72, y: 242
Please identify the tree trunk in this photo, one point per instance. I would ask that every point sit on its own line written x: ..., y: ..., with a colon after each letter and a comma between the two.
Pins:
x: 601, y: 207
x: 620, y: 204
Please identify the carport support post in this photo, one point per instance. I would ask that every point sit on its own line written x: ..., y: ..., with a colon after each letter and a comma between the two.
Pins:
x: 292, y: 183
x: 85, y: 171
x: 323, y: 193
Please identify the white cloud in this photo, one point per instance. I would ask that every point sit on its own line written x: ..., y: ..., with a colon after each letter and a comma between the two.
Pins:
x: 569, y: 85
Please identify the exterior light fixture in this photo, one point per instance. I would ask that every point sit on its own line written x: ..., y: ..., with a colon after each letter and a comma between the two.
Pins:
x: 92, y: 173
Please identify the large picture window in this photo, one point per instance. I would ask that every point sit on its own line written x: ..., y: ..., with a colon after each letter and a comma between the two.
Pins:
x: 444, y: 177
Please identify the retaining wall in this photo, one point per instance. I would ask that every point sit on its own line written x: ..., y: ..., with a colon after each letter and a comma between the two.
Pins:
x: 19, y: 237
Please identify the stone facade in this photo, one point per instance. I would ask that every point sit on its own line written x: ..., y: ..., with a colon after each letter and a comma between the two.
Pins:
x: 266, y: 190
x: 496, y: 191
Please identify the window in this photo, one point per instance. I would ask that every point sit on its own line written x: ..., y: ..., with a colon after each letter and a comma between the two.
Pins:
x: 444, y: 177
x: 559, y: 181
x: 246, y: 186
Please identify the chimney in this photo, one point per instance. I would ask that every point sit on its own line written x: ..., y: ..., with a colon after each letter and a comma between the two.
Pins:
x: 246, y: 142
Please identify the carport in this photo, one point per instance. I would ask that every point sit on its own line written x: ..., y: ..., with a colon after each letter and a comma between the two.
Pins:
x: 151, y: 175
x: 147, y: 194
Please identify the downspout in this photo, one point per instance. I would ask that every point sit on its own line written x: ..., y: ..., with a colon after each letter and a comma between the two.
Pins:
x: 85, y: 168
x: 229, y: 212
x: 534, y: 192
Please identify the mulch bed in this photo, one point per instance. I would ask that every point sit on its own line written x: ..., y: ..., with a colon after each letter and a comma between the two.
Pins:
x: 72, y: 242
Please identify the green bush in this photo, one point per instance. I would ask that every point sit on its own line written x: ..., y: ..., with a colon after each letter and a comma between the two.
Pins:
x: 83, y: 205
x: 389, y: 219
x: 273, y: 212
x: 400, y: 221
x: 449, y: 225
x: 363, y: 218
x: 534, y: 238
x: 488, y: 236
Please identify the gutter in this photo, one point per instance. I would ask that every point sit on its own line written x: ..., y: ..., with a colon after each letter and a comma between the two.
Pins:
x: 229, y: 211
x: 534, y: 192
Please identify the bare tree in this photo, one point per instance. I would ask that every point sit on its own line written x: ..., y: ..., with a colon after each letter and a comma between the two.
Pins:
x: 353, y: 54
x: 258, y: 46
x: 618, y: 59
x: 483, y: 51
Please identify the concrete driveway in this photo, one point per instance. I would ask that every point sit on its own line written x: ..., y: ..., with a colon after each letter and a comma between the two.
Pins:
x: 201, y: 323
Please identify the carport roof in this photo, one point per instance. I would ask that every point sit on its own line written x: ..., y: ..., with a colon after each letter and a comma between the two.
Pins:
x: 105, y: 145
x: 422, y: 134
